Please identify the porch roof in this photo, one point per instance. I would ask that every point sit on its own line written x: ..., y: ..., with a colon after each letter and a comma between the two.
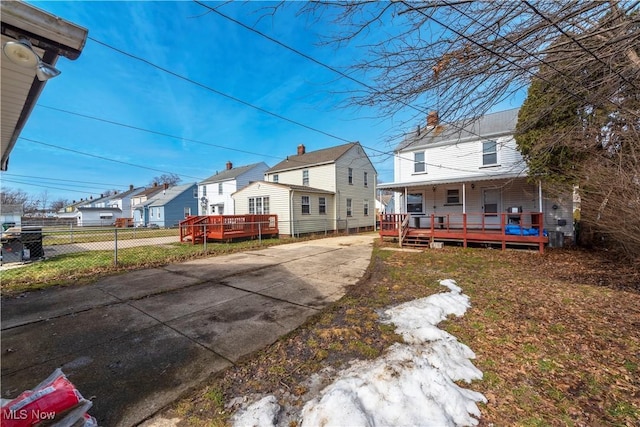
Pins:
x: 413, y: 184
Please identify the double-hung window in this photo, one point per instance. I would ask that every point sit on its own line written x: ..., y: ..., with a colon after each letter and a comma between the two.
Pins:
x: 419, y: 165
x: 453, y: 196
x: 366, y: 208
x: 350, y: 176
x: 220, y: 189
x: 306, y: 205
x: 366, y: 179
x: 349, y: 210
x: 489, y: 153
x: 322, y: 205
x: 305, y: 177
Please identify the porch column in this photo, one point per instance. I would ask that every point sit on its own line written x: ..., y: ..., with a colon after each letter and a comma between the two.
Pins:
x: 406, y: 194
x: 539, y: 196
x: 464, y: 198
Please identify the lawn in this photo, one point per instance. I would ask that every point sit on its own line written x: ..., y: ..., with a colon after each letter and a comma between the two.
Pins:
x: 557, y: 337
x: 86, y: 267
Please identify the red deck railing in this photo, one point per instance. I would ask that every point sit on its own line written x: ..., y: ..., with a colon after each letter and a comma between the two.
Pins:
x: 226, y: 227
x: 504, y: 228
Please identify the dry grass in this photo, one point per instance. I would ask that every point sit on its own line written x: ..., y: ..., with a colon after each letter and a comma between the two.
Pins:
x: 556, y: 335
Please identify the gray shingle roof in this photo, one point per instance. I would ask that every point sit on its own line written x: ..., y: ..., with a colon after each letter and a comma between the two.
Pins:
x: 327, y: 155
x: 229, y: 174
x: 488, y: 126
x: 167, y: 195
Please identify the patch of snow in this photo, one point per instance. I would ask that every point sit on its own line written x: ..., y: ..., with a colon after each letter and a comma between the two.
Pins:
x: 411, y: 384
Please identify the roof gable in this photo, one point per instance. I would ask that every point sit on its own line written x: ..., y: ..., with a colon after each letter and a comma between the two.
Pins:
x: 313, y: 158
x: 229, y: 174
x: 168, y: 195
x: 488, y: 126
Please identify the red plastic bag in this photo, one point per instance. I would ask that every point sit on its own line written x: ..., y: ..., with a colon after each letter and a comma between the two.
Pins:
x: 47, y: 402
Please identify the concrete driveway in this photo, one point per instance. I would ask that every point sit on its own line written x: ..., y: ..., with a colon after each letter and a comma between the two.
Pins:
x: 135, y: 342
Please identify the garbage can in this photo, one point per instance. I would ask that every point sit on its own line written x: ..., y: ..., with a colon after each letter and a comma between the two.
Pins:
x: 556, y: 239
x: 31, y: 238
x: 11, y: 251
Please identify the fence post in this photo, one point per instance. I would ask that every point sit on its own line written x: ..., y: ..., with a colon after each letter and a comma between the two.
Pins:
x: 204, y: 237
x: 71, y: 234
x: 259, y: 232
x: 115, y: 247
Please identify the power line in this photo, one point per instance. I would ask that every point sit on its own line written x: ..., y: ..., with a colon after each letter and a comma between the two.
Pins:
x: 105, y: 158
x: 233, y: 98
x: 60, y: 179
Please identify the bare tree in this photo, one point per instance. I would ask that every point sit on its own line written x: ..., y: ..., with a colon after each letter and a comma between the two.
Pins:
x: 9, y: 196
x: 170, y: 179
x: 462, y: 58
x: 59, y: 204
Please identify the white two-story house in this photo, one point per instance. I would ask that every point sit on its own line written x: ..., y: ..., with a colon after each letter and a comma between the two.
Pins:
x: 214, y: 193
x: 313, y: 192
x: 442, y: 171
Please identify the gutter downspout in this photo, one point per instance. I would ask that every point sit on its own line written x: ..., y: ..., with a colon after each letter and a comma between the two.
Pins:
x: 291, y: 213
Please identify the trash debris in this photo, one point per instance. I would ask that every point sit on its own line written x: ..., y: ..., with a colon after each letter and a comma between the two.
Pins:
x: 55, y: 402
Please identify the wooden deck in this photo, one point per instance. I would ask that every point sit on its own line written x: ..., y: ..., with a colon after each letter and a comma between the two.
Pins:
x: 227, y: 227
x: 503, y: 228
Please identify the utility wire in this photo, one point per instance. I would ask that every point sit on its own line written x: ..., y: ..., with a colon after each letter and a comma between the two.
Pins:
x: 105, y: 158
x: 233, y: 98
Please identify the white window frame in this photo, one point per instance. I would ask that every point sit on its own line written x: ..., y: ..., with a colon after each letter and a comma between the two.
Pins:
x: 349, y: 207
x: 486, y: 151
x: 366, y: 179
x: 220, y: 189
x: 305, y: 177
x: 350, y: 176
x: 365, y: 207
x: 453, y: 196
x: 419, y: 166
x: 322, y: 205
x: 305, y: 202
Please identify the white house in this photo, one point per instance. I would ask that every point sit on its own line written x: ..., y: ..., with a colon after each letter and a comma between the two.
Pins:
x: 319, y: 191
x: 214, y: 193
x: 472, y: 168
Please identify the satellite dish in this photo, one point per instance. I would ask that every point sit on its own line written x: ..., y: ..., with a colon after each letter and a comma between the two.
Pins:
x: 203, y: 200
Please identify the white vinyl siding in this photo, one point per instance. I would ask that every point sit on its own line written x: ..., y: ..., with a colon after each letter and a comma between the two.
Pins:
x: 489, y: 153
x: 460, y: 161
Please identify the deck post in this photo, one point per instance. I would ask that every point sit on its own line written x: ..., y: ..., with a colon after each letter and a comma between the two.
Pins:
x: 464, y: 230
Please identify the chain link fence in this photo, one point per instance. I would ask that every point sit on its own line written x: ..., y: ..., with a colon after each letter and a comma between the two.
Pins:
x: 71, y: 244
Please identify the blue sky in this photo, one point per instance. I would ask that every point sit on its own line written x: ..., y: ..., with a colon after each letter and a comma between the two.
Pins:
x: 183, y: 38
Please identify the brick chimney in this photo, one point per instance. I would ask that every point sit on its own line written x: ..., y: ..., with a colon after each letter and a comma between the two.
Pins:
x: 432, y: 119
x: 165, y: 186
x: 301, y: 149
x: 229, y: 165
x: 130, y: 187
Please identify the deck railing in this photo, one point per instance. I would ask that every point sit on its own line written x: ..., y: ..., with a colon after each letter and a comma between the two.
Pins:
x: 518, y: 228
x: 224, y: 227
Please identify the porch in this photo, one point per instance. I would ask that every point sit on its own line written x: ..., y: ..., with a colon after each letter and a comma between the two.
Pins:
x: 517, y: 228
x: 227, y: 227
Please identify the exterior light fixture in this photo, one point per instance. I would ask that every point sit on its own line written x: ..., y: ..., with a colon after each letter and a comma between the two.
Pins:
x: 21, y: 53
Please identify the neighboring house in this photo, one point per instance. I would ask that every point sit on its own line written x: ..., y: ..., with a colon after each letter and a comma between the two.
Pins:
x: 168, y: 207
x: 89, y: 216
x: 142, y: 197
x: 10, y: 216
x: 472, y: 168
x: 324, y: 190
x: 214, y: 193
